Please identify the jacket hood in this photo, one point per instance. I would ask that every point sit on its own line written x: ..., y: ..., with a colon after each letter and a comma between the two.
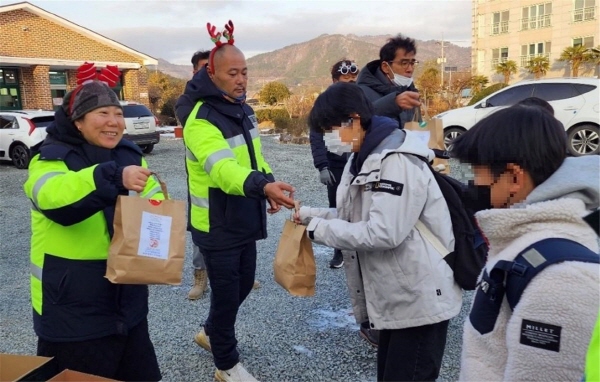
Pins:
x: 64, y: 130
x: 577, y: 178
x: 396, y: 140
x: 372, y: 77
x: 380, y: 129
x: 201, y: 87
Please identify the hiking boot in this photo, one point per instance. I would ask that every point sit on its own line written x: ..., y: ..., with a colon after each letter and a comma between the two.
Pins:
x: 203, y: 340
x: 235, y: 374
x: 369, y: 335
x: 338, y: 259
x: 256, y: 285
x: 200, y: 284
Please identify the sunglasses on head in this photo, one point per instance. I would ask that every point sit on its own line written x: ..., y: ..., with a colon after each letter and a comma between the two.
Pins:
x: 345, y: 68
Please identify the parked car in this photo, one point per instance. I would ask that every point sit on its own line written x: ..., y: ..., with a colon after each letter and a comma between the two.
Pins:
x: 19, y: 131
x: 140, y: 125
x: 575, y: 102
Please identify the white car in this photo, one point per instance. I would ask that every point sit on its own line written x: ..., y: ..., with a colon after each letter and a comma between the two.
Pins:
x: 140, y: 125
x: 19, y: 131
x: 575, y: 102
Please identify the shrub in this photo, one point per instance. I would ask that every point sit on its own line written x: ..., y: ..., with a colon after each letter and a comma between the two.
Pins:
x: 486, y: 92
x: 270, y: 114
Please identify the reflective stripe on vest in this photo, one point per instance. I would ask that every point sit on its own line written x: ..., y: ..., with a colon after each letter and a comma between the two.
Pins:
x: 40, y: 183
x: 199, y: 202
x: 217, y: 156
x: 36, y: 271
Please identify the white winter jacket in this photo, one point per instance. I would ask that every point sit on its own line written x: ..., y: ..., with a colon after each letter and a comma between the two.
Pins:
x: 396, y: 278
x: 564, y: 295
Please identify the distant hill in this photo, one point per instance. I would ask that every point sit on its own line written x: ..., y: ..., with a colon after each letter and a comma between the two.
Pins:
x: 178, y: 71
x: 308, y: 63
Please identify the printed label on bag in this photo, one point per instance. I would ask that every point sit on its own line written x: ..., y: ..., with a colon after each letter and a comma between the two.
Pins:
x: 540, y: 335
x: 155, y: 233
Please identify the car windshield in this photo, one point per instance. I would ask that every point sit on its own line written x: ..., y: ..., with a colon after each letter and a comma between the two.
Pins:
x: 43, y: 121
x: 136, y: 111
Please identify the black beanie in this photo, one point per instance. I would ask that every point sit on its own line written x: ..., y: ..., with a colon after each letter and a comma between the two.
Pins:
x: 88, y: 97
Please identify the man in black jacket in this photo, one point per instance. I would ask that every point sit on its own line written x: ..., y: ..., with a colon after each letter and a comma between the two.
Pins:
x: 388, y: 82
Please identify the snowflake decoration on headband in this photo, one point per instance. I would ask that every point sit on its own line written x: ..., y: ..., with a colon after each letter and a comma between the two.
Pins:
x: 86, y: 73
x: 216, y: 39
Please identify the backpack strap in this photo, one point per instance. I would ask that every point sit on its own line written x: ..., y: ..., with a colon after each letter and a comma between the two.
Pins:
x: 535, y: 258
x: 431, y: 238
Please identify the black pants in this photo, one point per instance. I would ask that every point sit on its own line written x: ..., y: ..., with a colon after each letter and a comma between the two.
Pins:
x: 231, y: 276
x: 411, y: 354
x: 332, y: 190
x: 128, y: 357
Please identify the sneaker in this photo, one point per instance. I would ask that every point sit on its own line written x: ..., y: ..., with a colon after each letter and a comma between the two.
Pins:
x: 200, y: 284
x: 203, y: 340
x: 235, y: 374
x: 338, y: 259
x: 369, y: 335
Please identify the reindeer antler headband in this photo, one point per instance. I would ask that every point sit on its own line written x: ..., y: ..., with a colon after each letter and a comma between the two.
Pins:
x: 216, y: 38
x: 87, y: 73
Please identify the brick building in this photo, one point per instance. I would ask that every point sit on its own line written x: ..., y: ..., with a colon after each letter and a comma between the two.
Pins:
x: 40, y: 53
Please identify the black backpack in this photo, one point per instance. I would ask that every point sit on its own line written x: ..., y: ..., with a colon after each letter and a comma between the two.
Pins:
x: 510, y: 278
x: 470, y: 249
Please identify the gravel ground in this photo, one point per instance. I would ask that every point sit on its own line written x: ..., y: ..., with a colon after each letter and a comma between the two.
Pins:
x: 281, y: 338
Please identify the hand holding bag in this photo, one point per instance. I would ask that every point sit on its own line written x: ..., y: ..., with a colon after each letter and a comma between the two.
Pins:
x: 148, y: 244
x: 294, y: 265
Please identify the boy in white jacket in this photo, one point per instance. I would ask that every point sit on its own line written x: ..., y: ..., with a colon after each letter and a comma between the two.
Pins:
x: 525, y: 191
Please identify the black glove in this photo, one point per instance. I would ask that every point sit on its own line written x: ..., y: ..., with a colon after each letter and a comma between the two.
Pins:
x: 326, y: 177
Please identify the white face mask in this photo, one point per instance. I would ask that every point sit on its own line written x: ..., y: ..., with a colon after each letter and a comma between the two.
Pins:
x: 400, y: 80
x: 334, y: 143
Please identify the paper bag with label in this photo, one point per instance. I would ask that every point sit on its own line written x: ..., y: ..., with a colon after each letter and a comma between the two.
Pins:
x: 431, y: 132
x: 294, y: 265
x: 148, y: 244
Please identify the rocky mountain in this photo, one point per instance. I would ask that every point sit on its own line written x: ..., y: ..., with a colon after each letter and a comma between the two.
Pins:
x: 307, y: 64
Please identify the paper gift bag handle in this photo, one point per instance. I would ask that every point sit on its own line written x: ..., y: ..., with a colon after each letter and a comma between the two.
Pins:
x: 295, y: 209
x: 163, y: 186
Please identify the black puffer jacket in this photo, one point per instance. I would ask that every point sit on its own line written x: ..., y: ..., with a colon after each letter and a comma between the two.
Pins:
x: 382, y: 93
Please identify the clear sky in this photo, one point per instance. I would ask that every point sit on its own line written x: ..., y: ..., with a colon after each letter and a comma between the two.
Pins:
x: 174, y: 29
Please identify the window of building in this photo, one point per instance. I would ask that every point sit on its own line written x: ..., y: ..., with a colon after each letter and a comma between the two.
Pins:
x: 58, y: 88
x: 481, y: 26
x: 584, y: 10
x: 10, y: 94
x: 499, y: 55
x: 532, y: 50
x: 536, y: 16
x: 500, y: 22
x: 587, y: 42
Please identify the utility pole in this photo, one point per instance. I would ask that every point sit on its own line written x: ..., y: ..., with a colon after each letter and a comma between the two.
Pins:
x: 442, y: 62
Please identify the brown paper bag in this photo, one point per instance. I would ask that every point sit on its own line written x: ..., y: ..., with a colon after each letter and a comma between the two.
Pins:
x: 148, y: 244
x: 432, y: 132
x: 294, y: 265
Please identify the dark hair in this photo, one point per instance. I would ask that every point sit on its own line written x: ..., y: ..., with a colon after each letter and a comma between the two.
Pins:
x: 521, y: 134
x: 537, y: 102
x: 335, y: 73
x: 336, y: 104
x: 200, y: 55
x: 388, y: 51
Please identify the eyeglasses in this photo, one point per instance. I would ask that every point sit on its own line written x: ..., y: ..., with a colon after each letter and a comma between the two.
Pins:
x: 405, y: 63
x: 345, y: 68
